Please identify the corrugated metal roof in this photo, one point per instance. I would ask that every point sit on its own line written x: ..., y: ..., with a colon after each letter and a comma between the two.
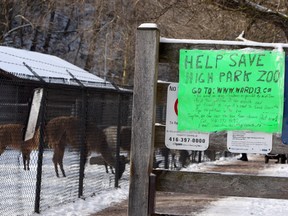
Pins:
x: 28, y: 65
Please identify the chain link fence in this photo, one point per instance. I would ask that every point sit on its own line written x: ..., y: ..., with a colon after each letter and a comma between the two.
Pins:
x: 80, y: 147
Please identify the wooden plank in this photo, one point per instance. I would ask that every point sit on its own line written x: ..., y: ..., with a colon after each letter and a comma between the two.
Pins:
x: 169, y: 52
x: 218, y: 141
x: 162, y: 93
x: 97, y: 160
x: 143, y: 118
x: 222, y: 184
x: 160, y: 214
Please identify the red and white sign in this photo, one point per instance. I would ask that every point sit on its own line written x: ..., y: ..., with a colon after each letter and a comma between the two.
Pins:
x: 181, y: 140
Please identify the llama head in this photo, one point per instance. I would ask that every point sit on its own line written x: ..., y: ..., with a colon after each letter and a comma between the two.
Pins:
x: 122, y: 165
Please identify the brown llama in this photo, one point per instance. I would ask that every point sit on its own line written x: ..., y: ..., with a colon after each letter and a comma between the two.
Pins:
x: 124, y: 141
x: 125, y: 137
x: 12, y: 135
x: 63, y: 131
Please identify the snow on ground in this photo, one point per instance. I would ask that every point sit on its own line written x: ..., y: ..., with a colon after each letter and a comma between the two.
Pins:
x: 89, y: 205
x: 250, y: 206
x: 236, y: 206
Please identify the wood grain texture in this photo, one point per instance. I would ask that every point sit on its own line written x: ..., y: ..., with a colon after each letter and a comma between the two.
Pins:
x: 143, y: 119
x: 221, y: 184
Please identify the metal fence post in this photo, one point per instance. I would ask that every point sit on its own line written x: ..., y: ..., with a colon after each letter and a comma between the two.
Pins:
x: 119, y: 124
x: 40, y: 152
x: 83, y: 147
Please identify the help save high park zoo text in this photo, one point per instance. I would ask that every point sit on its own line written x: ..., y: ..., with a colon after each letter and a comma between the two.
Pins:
x: 199, y: 69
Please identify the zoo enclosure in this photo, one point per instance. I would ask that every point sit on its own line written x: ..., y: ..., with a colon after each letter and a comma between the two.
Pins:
x: 38, y: 189
x: 151, y: 52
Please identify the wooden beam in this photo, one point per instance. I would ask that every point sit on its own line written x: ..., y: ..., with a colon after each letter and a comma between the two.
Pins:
x: 143, y: 117
x: 169, y: 52
x: 222, y: 184
x: 160, y: 214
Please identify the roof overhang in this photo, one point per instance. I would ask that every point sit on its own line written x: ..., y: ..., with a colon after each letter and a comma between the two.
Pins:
x: 30, y: 65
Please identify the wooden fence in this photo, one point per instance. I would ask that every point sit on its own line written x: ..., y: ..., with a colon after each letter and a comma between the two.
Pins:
x: 150, y: 50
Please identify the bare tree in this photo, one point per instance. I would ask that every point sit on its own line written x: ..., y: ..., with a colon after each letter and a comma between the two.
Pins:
x: 99, y: 35
x: 273, y: 12
x: 5, y: 17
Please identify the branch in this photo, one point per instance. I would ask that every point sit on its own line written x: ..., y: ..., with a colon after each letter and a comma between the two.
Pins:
x: 15, y: 29
x: 251, y: 7
x: 24, y: 18
x: 241, y: 37
x: 263, y: 9
x: 19, y: 27
x: 256, y: 11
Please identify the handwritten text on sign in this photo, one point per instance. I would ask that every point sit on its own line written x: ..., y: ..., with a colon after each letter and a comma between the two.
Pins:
x: 231, y: 90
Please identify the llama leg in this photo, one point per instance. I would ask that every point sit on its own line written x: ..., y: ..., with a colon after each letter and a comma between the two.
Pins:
x: 62, y: 168
x: 55, y: 164
x: 24, y: 160
x: 106, y: 167
x: 58, y: 159
x: 28, y: 161
x: 111, y: 168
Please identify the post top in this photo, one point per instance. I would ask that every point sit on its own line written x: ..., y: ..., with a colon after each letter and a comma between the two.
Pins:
x: 148, y: 26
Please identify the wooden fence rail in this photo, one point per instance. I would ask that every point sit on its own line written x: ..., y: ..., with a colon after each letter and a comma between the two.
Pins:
x: 221, y: 184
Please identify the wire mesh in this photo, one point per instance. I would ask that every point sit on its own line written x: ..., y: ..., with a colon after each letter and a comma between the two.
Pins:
x: 62, y: 148
x: 105, y: 160
x: 18, y: 159
x: 75, y: 122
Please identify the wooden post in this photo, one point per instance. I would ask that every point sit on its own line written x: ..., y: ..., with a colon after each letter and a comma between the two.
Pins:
x: 143, y: 117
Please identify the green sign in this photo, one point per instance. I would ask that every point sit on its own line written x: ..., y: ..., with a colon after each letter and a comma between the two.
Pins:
x: 231, y: 90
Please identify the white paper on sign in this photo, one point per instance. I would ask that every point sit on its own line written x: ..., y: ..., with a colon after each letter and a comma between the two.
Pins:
x: 249, y: 142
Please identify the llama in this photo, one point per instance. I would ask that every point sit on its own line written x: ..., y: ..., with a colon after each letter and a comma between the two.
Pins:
x: 62, y: 131
x: 124, y: 141
x: 12, y: 135
x: 124, y: 137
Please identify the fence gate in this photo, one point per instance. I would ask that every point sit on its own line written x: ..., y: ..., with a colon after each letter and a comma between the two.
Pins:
x: 150, y: 51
